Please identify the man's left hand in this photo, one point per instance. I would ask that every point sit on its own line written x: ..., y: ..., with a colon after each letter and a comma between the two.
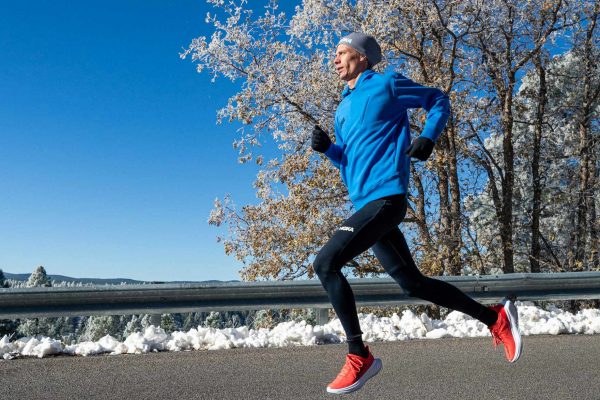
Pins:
x: 420, y: 148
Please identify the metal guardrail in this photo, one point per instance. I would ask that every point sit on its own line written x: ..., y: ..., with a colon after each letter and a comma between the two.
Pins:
x: 237, y: 296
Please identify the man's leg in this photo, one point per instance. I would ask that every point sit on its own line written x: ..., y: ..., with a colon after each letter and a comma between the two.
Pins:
x: 357, y: 234
x: 394, y: 255
x: 502, y: 319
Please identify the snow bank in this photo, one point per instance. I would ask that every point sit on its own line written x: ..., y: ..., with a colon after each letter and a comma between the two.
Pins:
x: 532, y: 321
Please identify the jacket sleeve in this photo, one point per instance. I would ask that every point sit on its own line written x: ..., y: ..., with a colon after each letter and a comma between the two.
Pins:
x: 335, y: 151
x: 434, y: 101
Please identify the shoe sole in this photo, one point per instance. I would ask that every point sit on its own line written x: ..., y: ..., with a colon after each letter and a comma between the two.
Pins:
x: 371, y: 372
x: 513, y: 318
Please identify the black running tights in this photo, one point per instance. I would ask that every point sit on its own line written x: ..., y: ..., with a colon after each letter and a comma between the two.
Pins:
x: 376, y: 225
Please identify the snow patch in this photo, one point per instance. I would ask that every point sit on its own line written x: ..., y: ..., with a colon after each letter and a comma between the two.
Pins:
x: 532, y: 321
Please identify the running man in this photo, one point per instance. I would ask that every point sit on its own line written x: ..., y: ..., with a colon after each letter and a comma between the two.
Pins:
x: 372, y: 151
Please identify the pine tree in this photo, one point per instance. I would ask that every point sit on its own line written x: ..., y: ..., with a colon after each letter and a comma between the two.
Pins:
x: 30, y: 327
x: 213, y: 320
x: 132, y: 326
x: 7, y: 327
x: 100, y: 326
x: 145, y: 321
x: 167, y: 323
x: 38, y: 278
x: 191, y: 321
x: 3, y: 283
x: 263, y: 319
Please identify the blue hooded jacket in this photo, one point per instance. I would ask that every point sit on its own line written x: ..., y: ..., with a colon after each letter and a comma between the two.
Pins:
x: 372, y: 133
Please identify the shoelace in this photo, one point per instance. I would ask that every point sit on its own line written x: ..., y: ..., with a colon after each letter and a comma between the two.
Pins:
x: 496, y: 339
x: 496, y: 335
x: 351, y: 366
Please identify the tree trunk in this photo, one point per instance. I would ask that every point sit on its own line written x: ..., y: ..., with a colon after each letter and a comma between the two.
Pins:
x: 590, y: 71
x: 444, y: 206
x: 594, y: 262
x: 419, y: 212
x: 535, y: 167
x: 586, y: 164
x: 581, y: 228
x: 593, y: 259
x: 455, y: 262
x: 506, y: 221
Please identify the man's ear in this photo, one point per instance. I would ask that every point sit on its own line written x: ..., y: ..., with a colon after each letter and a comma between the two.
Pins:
x: 364, y: 58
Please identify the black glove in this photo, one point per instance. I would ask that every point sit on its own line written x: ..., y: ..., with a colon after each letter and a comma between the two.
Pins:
x: 420, y: 148
x: 320, y: 140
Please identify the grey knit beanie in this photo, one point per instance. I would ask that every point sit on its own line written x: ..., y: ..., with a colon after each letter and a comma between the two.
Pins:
x: 364, y: 44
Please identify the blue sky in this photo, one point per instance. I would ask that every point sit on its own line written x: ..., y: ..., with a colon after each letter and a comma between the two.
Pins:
x: 110, y: 156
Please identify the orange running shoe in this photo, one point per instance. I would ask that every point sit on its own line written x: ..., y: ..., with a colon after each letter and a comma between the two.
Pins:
x: 355, y: 373
x: 506, y: 330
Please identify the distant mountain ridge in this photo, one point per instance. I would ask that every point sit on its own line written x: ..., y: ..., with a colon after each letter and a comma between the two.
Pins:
x: 97, y: 281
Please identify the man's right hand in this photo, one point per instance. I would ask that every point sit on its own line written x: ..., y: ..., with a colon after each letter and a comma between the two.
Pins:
x: 320, y: 141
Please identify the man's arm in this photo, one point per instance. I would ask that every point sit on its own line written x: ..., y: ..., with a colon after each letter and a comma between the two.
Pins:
x: 434, y: 101
x: 334, y: 153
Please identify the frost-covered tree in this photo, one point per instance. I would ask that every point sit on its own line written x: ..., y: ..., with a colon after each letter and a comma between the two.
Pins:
x: 38, y: 278
x: 146, y: 321
x: 263, y: 319
x: 288, y: 84
x: 476, y: 51
x: 214, y: 320
x: 167, y: 323
x: 36, y: 326
x: 99, y: 326
x: 7, y: 327
x: 558, y: 163
x: 191, y: 320
x: 508, y: 36
x: 585, y: 236
x: 3, y: 282
x: 132, y: 325
x: 61, y: 328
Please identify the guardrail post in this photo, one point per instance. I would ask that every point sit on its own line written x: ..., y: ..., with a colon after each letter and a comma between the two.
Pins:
x: 321, y: 315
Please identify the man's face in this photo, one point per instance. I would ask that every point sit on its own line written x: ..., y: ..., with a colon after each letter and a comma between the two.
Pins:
x: 349, y: 63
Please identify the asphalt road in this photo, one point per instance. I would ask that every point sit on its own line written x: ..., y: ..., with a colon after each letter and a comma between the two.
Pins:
x: 552, y: 367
